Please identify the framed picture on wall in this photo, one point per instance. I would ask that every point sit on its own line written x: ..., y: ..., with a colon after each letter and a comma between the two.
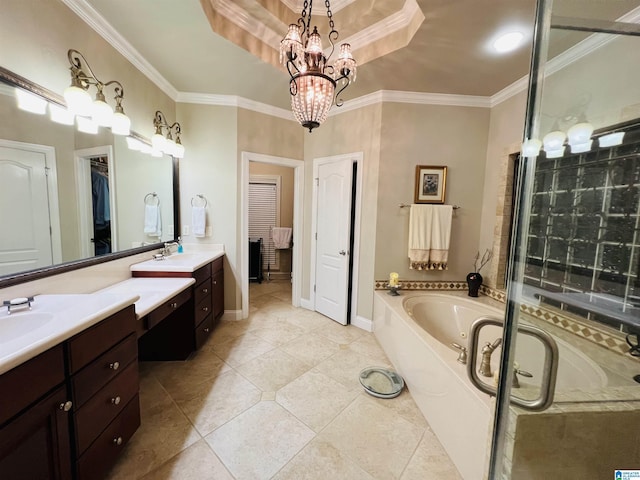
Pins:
x: 431, y: 182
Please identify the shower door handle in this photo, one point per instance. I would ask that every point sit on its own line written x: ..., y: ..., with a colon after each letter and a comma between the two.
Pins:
x: 549, y: 371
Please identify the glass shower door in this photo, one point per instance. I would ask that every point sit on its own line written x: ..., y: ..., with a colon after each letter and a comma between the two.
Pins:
x: 574, y: 271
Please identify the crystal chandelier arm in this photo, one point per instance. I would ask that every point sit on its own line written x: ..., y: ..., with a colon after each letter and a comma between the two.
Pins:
x: 338, y: 101
x: 333, y: 34
x: 293, y: 85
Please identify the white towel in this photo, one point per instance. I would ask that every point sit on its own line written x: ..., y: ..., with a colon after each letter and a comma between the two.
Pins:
x: 152, y: 221
x: 429, y: 235
x: 281, y: 237
x: 198, y: 221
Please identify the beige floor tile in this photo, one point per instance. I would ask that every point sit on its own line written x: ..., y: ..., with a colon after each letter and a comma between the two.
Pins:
x: 240, y: 350
x: 276, y: 331
x: 379, y: 441
x: 368, y: 346
x: 177, y: 377
x: 259, y: 442
x: 345, y: 366
x: 311, y: 348
x: 164, y: 432
x: 198, y: 462
x: 273, y: 370
x: 321, y: 461
x: 227, y: 330
x: 209, y: 405
x: 315, y: 399
x: 341, y: 333
x: 284, y: 296
x: 307, y: 319
x: 430, y: 462
x: 402, y: 405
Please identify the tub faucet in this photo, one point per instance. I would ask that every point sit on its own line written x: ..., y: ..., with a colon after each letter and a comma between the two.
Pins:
x: 487, y: 350
x: 462, y: 356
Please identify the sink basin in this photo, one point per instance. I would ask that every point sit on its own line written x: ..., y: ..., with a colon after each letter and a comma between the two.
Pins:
x: 22, y: 323
x: 178, y: 262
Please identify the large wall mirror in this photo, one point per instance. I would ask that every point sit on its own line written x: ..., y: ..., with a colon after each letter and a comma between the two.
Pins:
x: 70, y: 199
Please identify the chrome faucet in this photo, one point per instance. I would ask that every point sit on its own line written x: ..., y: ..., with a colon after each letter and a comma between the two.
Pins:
x: 166, y: 251
x: 487, y: 350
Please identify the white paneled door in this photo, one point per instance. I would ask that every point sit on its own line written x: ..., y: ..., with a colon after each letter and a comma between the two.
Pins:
x: 333, y: 235
x: 25, y: 231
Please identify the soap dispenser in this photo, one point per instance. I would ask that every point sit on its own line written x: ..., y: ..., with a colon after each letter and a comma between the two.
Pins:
x: 180, y: 247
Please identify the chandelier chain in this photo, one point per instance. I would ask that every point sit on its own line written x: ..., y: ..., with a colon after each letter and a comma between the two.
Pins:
x: 329, y: 15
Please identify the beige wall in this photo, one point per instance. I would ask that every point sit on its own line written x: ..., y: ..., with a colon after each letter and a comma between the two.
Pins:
x: 350, y: 132
x: 430, y: 135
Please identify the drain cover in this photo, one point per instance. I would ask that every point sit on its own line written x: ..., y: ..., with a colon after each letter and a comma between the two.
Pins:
x: 381, y: 382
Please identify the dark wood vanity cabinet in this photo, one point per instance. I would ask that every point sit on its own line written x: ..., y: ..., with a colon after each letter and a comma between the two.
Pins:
x: 209, y: 300
x: 34, y: 419
x: 104, y: 384
x: 68, y: 412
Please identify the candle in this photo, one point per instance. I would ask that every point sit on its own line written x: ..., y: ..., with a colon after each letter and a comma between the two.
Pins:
x: 393, y: 279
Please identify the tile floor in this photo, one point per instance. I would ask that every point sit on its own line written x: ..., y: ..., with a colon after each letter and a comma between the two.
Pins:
x: 277, y: 396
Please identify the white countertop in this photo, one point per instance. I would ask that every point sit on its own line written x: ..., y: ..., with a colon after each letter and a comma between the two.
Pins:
x: 152, y: 292
x: 189, y: 261
x: 24, y: 333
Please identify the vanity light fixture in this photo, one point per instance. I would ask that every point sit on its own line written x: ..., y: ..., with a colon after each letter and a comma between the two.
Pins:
x: 79, y: 101
x: 313, y: 81
x: 611, y: 139
x: 165, y: 144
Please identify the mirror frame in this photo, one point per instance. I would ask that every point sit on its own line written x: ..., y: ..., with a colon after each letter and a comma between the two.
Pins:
x: 15, y: 80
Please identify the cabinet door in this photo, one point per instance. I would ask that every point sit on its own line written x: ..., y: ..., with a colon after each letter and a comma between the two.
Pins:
x: 217, y: 291
x: 35, y: 445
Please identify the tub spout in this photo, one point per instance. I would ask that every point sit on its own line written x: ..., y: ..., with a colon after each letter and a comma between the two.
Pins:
x: 487, y: 350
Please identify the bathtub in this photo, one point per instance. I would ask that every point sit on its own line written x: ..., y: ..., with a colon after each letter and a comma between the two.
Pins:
x: 416, y: 332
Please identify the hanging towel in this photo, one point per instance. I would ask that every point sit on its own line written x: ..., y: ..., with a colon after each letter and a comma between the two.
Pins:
x: 198, y: 221
x: 281, y: 237
x: 429, y: 235
x: 152, y: 221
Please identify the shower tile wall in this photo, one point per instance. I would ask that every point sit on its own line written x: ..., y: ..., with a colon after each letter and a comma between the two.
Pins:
x: 584, y: 226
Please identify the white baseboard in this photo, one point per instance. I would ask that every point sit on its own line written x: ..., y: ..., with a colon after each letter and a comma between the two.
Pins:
x: 232, y: 315
x: 363, y: 323
x: 306, y: 303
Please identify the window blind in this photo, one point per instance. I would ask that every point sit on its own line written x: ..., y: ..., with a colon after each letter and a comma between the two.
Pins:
x: 263, y: 201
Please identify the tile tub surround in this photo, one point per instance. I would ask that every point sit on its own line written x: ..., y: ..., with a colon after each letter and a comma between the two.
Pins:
x: 277, y: 396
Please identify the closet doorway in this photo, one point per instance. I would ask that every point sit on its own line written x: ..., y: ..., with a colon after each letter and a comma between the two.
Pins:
x: 271, y: 196
x: 96, y: 200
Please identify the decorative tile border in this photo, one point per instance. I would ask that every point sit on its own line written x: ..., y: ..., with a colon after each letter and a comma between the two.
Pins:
x: 609, y: 340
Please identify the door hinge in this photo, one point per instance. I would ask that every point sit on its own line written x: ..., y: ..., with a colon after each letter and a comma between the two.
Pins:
x: 316, y: 235
x: 317, y: 181
x: 46, y: 171
x: 314, y: 289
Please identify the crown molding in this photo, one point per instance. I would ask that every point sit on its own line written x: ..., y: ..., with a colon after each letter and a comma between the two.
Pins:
x: 239, y: 16
x: 336, y: 5
x: 385, y: 27
x: 103, y: 28
x: 234, y: 101
x: 509, y: 91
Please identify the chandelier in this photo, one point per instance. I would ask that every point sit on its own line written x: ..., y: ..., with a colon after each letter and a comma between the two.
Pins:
x: 313, y: 81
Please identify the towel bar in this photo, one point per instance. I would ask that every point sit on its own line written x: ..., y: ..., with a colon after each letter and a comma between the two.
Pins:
x: 403, y: 205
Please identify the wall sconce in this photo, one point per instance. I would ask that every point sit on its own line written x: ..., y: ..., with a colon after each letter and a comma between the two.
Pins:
x: 160, y: 143
x: 79, y: 101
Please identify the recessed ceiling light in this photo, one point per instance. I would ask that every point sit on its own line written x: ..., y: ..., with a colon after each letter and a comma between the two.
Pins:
x: 508, y: 41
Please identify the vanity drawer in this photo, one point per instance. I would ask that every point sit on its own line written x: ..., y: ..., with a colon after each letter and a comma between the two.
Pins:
x: 202, y: 291
x: 103, y: 407
x: 202, y: 273
x: 26, y: 383
x: 91, y: 379
x: 167, y: 308
x: 202, y: 310
x: 86, y: 346
x: 103, y: 452
x: 203, y: 331
x: 217, y: 265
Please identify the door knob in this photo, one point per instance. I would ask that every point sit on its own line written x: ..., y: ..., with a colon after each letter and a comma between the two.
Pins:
x: 342, y: 252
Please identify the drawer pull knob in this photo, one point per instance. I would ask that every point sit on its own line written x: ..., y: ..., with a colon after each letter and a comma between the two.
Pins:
x: 66, y: 406
x: 215, y: 282
x: 117, y: 441
x: 174, y: 305
x: 206, y: 329
x: 205, y: 290
x: 116, y: 400
x: 205, y: 309
x: 114, y: 365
